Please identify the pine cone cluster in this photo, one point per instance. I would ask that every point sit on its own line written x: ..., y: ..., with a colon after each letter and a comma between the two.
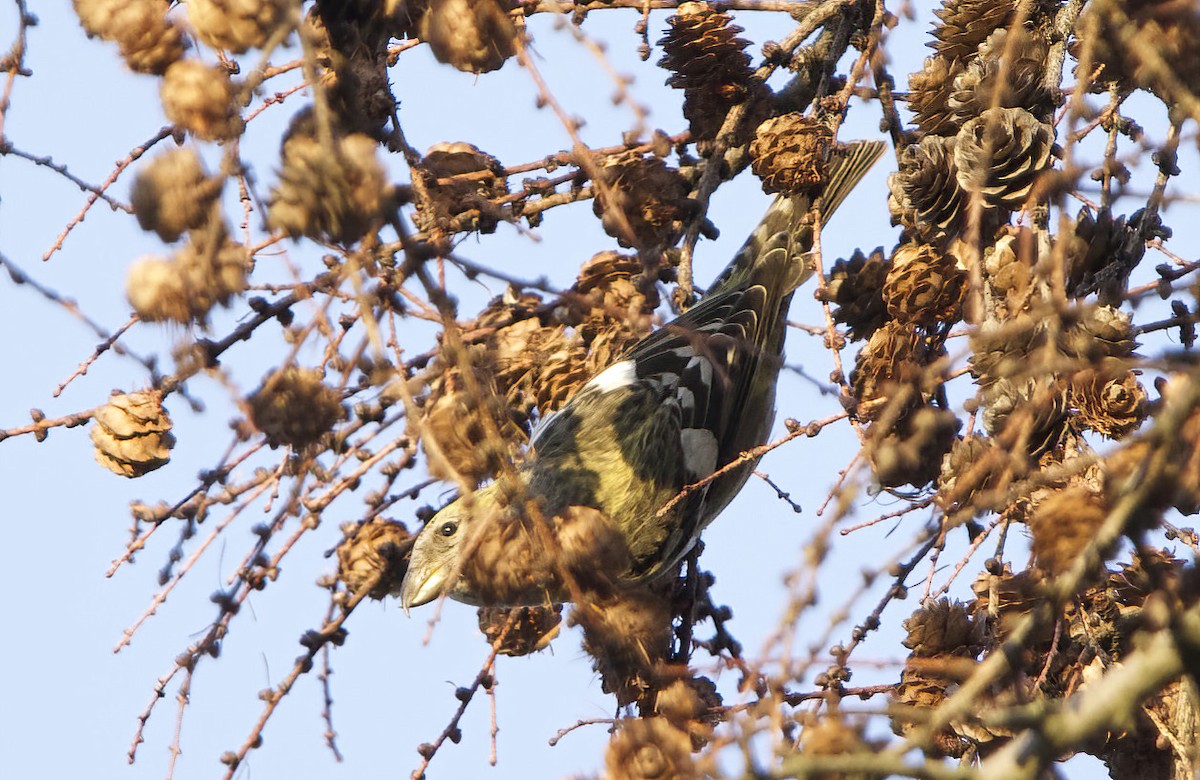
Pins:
x: 132, y: 435
x: 708, y: 62
x: 294, y: 407
x: 982, y: 62
x: 855, y: 288
x: 790, y: 153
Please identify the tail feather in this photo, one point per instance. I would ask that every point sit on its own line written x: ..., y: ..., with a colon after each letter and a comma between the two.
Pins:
x: 782, y: 233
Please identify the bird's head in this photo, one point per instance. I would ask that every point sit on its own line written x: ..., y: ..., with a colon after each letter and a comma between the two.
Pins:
x: 435, y: 565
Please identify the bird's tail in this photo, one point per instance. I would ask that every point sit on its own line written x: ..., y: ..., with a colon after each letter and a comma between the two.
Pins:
x: 785, y: 235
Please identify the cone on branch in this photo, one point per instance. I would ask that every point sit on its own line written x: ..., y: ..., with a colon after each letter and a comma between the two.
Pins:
x: 649, y: 749
x: 520, y: 630
x: 1001, y: 154
x: 965, y: 24
x: 973, y: 467
x: 929, y: 91
x: 174, y: 193
x: 911, y: 450
x: 474, y: 36
x: 201, y: 99
x: 339, y: 193
x: 294, y: 407
x: 790, y: 154
x: 237, y: 25
x: 460, y: 178
x: 208, y: 271
x: 1009, y: 72
x: 149, y: 42
x: 889, y: 375
x: 373, y: 557
x: 925, y: 196
x: 1101, y: 253
x: 925, y: 286
x: 855, y: 288
x: 132, y: 433
x: 1063, y: 524
x: 643, y: 202
x: 1109, y: 399
x: 708, y: 62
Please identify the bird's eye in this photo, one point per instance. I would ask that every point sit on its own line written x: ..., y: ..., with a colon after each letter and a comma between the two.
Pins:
x: 448, y: 529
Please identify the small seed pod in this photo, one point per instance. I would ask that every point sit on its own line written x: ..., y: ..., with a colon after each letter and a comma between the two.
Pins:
x: 520, y: 630
x: 237, y: 25
x: 790, y: 153
x: 1001, y: 153
x: 925, y: 286
x: 373, y: 556
x: 199, y: 98
x: 856, y: 287
x: 174, y: 194
x: 925, y: 196
x: 294, y: 407
x: 132, y: 433
x: 475, y: 36
x: 148, y: 40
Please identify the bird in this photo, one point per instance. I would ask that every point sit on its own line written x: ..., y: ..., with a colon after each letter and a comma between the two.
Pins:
x: 679, y: 406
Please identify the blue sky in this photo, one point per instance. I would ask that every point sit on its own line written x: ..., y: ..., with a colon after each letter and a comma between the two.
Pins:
x: 68, y: 704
